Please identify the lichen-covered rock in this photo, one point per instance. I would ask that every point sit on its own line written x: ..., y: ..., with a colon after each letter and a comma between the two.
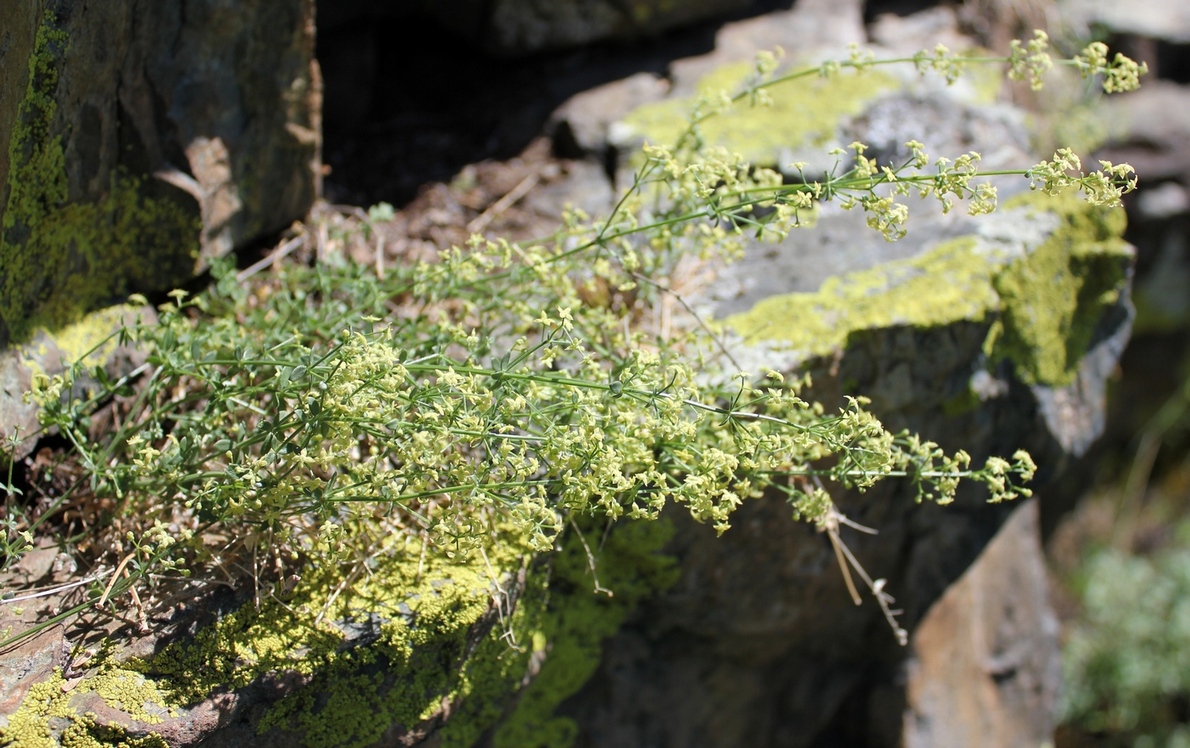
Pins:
x: 481, y: 646
x: 758, y: 643
x: 138, y: 140
x: 987, y: 334
x: 91, y: 341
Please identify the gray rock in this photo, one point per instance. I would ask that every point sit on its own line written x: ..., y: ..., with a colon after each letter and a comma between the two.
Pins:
x: 1163, y: 202
x: 810, y: 25
x: 1167, y: 20
x: 1150, y: 129
x: 91, y: 341
x: 581, y: 123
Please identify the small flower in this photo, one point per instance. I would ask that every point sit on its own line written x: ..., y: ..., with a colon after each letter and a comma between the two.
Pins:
x: 1030, y: 62
x: 1121, y: 74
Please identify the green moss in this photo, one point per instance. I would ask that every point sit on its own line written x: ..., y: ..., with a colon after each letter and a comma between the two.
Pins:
x: 1052, y: 300
x: 575, y: 623
x: 423, y: 607
x: 61, y: 256
x: 804, y: 112
x: 1043, y: 306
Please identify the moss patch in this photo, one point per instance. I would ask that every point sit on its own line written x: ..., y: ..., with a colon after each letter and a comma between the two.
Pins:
x: 421, y: 610
x: 574, y: 622
x: 1052, y: 300
x: 804, y: 112
x: 1044, y: 305
x: 62, y: 256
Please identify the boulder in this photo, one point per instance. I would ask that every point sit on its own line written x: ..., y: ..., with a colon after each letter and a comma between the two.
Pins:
x: 1167, y: 20
x: 984, y: 670
x: 758, y: 642
x: 987, y: 334
x: 137, y: 141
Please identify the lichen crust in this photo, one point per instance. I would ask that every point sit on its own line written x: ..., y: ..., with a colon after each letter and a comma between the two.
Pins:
x: 419, y: 662
x: 1042, y: 292
x: 803, y: 114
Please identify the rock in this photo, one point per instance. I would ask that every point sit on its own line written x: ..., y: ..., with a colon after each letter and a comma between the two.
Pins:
x: 1163, y: 202
x: 521, y: 26
x: 811, y: 116
x: 1167, y: 20
x: 758, y: 642
x: 583, y: 185
x: 137, y: 142
x: 91, y: 340
x: 983, y: 668
x: 29, y: 662
x: 988, y: 334
x: 1150, y: 129
x: 811, y: 25
x: 923, y: 30
x: 581, y: 124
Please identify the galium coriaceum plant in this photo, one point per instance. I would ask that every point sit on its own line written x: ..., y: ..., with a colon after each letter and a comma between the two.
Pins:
x: 294, y: 420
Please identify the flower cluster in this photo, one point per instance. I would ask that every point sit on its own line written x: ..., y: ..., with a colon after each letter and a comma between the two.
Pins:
x: 1065, y: 171
x: 1030, y: 61
x: 1120, y: 75
x: 941, y: 60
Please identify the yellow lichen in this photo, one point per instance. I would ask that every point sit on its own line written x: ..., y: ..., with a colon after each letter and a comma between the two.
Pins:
x: 948, y: 283
x: 804, y: 112
x: 572, y: 629
x: 88, y: 341
x: 48, y: 719
x: 1052, y: 300
x: 1043, y: 306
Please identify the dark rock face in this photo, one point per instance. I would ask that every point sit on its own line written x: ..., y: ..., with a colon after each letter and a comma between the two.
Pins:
x: 518, y: 27
x: 526, y: 25
x: 759, y: 644
x: 138, y: 140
